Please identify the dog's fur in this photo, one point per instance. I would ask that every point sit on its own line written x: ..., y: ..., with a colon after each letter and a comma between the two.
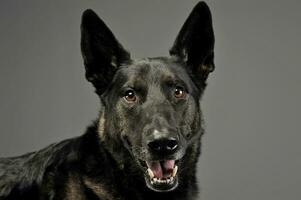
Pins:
x: 141, y: 100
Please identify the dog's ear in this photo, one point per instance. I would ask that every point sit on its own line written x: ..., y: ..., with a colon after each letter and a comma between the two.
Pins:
x: 101, y: 52
x: 194, y: 44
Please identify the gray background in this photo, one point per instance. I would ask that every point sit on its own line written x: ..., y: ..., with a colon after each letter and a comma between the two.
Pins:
x: 252, y: 104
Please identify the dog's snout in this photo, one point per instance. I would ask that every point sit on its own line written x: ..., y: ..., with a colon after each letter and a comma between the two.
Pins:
x: 167, y: 145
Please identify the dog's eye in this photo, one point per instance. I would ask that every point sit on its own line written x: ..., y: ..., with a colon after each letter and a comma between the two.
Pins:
x: 179, y: 92
x: 130, y: 96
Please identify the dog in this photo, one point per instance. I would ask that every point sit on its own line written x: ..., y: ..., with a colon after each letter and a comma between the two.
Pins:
x: 146, y: 140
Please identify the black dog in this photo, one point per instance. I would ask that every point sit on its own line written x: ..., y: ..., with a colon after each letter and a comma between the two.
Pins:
x: 146, y: 141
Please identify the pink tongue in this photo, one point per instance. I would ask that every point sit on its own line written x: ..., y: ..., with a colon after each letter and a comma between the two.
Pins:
x: 168, y: 165
x: 163, y: 169
x: 155, y: 166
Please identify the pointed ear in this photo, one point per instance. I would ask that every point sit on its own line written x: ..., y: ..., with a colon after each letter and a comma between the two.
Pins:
x: 101, y: 52
x: 195, y: 43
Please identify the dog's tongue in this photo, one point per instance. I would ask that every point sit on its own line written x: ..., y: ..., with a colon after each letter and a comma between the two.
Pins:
x: 161, y: 169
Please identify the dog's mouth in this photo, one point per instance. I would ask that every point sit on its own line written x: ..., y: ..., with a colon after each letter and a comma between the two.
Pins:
x: 161, y: 176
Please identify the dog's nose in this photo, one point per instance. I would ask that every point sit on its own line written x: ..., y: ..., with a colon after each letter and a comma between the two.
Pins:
x: 163, y: 145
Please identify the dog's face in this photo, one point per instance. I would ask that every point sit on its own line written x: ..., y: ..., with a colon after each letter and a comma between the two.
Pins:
x: 151, y: 105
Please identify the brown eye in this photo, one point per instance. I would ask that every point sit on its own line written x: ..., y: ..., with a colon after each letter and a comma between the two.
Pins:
x: 130, y: 96
x: 179, y: 92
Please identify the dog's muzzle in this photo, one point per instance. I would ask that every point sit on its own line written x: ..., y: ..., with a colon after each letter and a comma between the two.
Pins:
x: 161, y: 174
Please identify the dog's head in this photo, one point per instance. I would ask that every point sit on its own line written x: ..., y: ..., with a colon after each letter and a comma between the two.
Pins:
x: 151, y: 106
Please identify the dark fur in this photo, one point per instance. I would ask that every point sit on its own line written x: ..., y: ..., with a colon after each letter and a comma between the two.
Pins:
x: 104, y: 163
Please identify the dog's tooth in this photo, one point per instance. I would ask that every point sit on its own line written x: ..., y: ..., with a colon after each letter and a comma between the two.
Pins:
x: 150, y: 173
x: 155, y: 179
x: 171, y: 179
x: 175, y: 170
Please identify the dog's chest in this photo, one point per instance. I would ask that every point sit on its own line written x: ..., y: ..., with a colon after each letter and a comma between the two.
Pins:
x: 85, y: 188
